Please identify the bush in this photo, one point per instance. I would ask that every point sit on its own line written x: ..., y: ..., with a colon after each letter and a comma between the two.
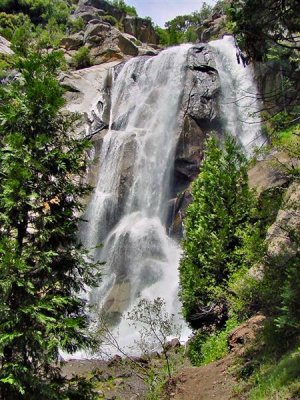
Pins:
x: 82, y: 58
x: 204, y: 348
x: 129, y: 10
x: 221, y: 209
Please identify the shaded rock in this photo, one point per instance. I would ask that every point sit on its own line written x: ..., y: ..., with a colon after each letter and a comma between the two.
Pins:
x: 72, y: 42
x: 126, y: 44
x: 143, y: 360
x: 141, y: 28
x: 200, y: 112
x: 96, y: 33
x: 115, y: 360
x: 189, y: 153
x: 245, y: 333
x: 180, y: 204
x: 104, y: 6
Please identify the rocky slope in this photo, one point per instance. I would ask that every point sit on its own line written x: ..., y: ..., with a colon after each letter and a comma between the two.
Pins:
x: 109, y: 33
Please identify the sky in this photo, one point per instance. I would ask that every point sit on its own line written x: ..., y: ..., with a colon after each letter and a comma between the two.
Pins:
x: 164, y: 10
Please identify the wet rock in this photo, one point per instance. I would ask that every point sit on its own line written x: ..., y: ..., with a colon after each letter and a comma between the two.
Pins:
x: 189, y: 153
x: 118, y: 299
x: 172, y: 344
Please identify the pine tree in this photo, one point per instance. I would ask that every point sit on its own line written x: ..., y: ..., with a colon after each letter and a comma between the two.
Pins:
x: 220, y: 209
x: 42, y: 267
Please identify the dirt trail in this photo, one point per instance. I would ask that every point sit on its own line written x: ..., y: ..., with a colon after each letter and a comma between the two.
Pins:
x: 212, y: 381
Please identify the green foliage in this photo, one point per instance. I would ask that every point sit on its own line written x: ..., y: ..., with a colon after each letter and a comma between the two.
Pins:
x: 129, y: 10
x: 113, y: 21
x: 205, y: 348
x: 39, y: 11
x: 76, y: 25
x: 154, y: 324
x: 221, y: 209
x: 42, y: 267
x: 82, y: 58
x: 49, y: 36
x: 260, y: 26
x: 45, y: 22
x: 22, y: 39
x: 10, y: 22
x: 267, y: 375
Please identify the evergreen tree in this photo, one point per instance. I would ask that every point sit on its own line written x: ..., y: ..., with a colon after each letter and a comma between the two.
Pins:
x: 42, y: 267
x: 219, y: 212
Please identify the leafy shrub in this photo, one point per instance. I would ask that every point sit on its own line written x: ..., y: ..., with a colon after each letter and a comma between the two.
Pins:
x: 82, y: 58
x: 10, y: 22
x: 221, y: 208
x: 75, y: 25
x: 206, y: 348
x: 112, y: 20
x: 129, y: 10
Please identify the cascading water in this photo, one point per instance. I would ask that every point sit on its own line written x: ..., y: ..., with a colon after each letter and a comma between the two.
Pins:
x: 138, y: 152
x: 239, y: 105
x: 128, y: 209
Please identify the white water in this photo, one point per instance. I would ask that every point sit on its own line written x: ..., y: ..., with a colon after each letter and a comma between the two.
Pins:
x: 239, y: 104
x: 144, y: 129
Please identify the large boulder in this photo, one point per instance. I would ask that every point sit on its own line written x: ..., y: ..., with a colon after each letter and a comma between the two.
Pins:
x: 242, y: 336
x: 73, y: 42
x: 5, y: 46
x: 141, y: 28
x: 108, y: 43
x: 102, y: 5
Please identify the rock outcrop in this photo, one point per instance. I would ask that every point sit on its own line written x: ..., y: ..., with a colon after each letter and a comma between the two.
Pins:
x: 200, y: 115
x: 88, y: 93
x: 280, y: 237
x: 5, y: 46
x: 110, y: 33
x: 141, y: 28
x: 240, y: 337
x: 106, y: 43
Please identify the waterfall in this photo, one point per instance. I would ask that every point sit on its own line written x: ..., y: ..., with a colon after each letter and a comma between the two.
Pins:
x: 239, y: 105
x: 128, y: 210
x: 126, y: 216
